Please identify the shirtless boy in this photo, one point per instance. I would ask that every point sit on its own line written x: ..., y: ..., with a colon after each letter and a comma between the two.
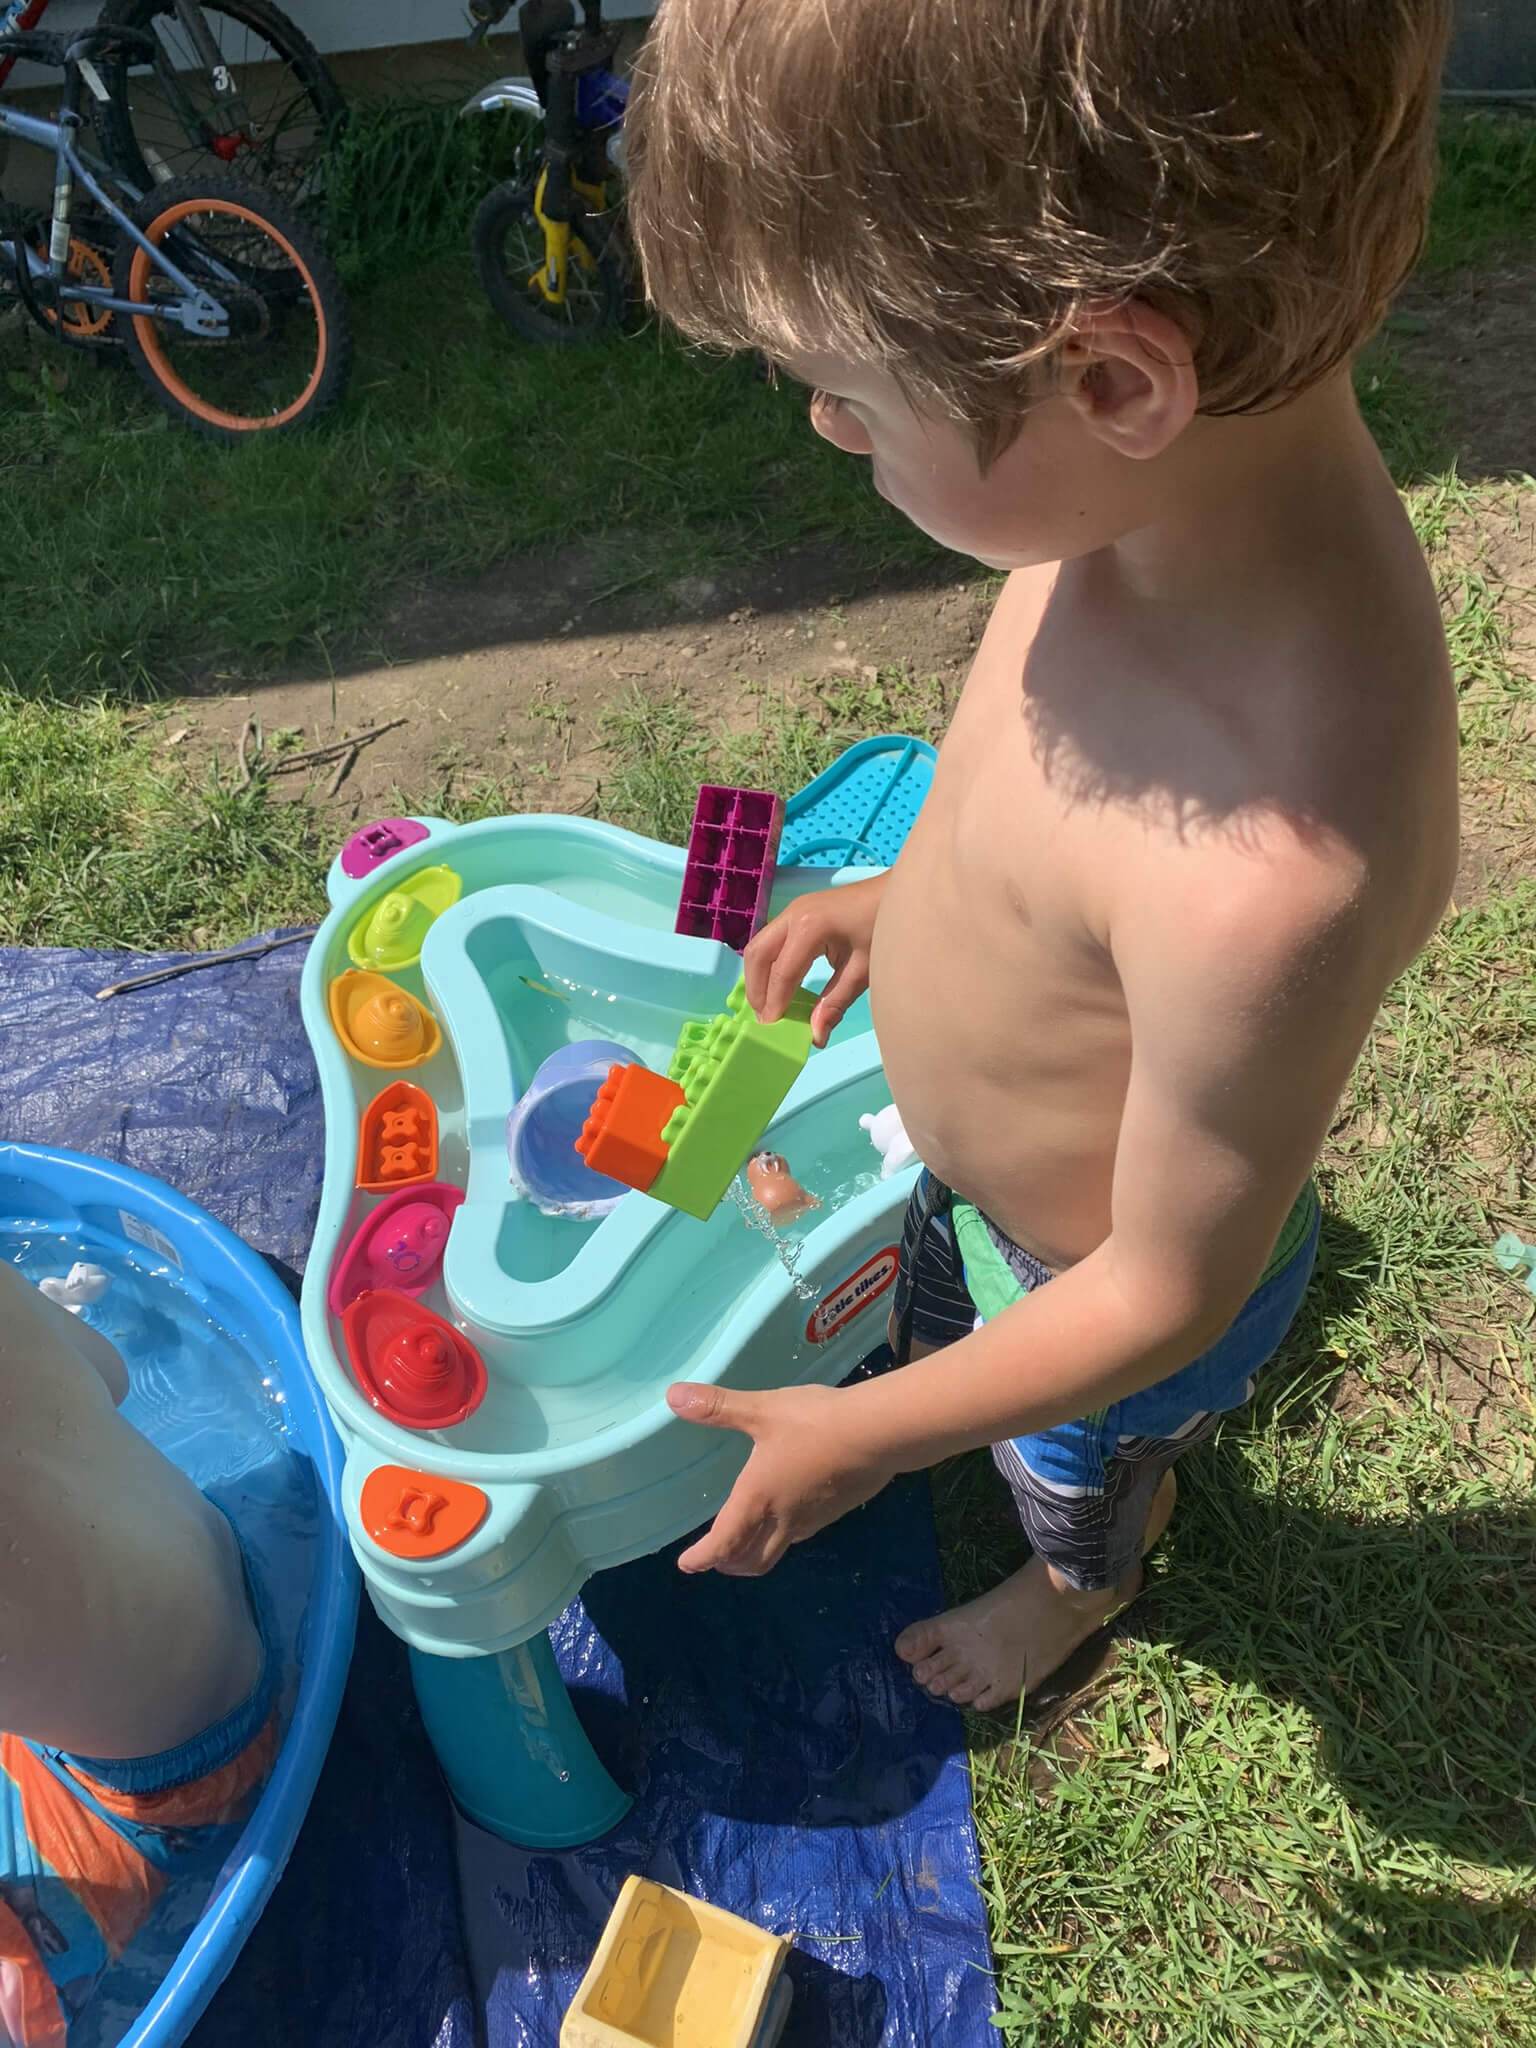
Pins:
x: 1083, y: 284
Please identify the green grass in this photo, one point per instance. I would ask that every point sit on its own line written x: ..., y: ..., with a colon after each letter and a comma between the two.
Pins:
x: 148, y: 556
x: 104, y: 841
x: 661, y: 749
x: 1485, y: 203
x: 1305, y: 1810
x: 406, y: 176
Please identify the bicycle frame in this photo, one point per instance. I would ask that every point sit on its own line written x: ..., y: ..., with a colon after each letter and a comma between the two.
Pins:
x: 563, y: 199
x: 198, y: 313
x: 29, y: 17
x: 225, y: 144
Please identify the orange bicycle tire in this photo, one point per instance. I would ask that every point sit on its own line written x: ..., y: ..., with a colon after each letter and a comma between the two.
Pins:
x: 146, y: 331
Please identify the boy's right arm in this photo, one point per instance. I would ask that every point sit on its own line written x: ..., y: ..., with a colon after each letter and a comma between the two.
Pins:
x: 835, y: 924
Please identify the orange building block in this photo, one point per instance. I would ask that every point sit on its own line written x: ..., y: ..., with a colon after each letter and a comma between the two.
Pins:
x: 396, y: 1139
x: 622, y: 1136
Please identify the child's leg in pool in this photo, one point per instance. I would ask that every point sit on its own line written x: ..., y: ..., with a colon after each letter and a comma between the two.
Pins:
x: 123, y: 1615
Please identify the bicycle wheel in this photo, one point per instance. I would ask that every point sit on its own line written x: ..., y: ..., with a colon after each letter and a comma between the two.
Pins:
x: 508, y: 247
x: 168, y: 121
x: 284, y: 357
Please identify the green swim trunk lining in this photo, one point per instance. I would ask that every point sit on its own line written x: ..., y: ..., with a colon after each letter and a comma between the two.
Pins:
x: 994, y: 1285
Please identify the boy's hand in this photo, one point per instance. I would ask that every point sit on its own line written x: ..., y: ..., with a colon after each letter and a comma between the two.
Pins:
x: 801, y: 1474
x: 836, y: 924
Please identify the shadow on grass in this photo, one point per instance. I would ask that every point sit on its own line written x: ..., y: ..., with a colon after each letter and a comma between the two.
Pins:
x: 1379, y: 1928
x: 1299, y: 1564
x: 1410, y: 1641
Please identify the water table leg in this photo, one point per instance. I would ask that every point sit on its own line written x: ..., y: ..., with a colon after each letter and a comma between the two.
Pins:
x: 515, y: 1756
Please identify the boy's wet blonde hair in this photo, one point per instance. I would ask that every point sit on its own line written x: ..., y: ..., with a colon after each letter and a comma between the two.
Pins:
x: 942, y: 187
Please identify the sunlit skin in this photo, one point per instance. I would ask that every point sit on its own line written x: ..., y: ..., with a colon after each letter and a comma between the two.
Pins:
x: 123, y: 1619
x: 1195, y: 810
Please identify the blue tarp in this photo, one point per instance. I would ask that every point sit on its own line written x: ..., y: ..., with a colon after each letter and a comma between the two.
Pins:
x: 783, y: 1765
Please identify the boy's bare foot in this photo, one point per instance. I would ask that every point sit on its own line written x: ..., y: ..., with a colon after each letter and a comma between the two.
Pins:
x: 1012, y: 1638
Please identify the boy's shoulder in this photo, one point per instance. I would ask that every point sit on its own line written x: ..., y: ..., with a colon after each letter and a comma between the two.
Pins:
x: 1287, y: 801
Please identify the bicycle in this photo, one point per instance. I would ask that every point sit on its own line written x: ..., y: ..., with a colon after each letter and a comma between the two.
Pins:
x: 222, y: 300
x: 220, y: 85
x: 549, y: 250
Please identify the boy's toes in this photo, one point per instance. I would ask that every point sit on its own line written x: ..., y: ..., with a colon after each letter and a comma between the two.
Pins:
x: 933, y: 1671
x: 993, y: 1694
x: 962, y: 1685
x: 919, y: 1640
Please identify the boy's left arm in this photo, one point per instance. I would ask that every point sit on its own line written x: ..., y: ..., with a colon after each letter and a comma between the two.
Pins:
x: 1246, y: 1017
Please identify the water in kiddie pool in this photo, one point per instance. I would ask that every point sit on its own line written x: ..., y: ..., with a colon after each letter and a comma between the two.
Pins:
x: 218, y: 1410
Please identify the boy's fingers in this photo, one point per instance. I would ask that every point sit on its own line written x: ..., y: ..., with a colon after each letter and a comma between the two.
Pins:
x: 787, y: 973
x: 713, y: 1407
x: 740, y: 1546
x: 757, y: 963
x: 839, y: 997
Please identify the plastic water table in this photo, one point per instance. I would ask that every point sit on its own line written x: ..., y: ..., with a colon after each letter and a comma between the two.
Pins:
x: 502, y: 1410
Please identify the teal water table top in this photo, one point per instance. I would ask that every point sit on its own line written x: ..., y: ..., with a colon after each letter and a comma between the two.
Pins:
x: 559, y: 1333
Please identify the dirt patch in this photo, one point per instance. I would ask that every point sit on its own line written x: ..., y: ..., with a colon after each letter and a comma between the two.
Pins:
x: 1476, y: 348
x: 507, y: 678
x: 1495, y: 546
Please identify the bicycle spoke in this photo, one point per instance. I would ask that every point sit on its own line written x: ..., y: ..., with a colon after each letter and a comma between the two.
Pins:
x: 270, y: 127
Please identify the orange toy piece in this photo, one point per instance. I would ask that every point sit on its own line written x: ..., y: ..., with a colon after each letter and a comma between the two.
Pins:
x: 380, y: 1023
x: 419, y: 1514
x: 396, y: 1139
x: 622, y: 1135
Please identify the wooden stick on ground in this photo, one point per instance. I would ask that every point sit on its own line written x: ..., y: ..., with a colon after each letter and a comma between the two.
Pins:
x: 312, y: 757
x: 202, y: 960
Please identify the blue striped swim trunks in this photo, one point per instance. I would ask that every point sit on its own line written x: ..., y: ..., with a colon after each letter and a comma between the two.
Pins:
x: 1084, y: 1489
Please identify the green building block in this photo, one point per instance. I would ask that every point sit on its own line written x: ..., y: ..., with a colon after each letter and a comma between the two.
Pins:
x: 734, y: 1073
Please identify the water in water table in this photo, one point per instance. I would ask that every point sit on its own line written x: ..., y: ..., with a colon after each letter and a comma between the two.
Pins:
x: 494, y: 1336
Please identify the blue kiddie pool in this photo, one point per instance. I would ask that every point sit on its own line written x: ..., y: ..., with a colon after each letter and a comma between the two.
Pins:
x: 219, y: 1383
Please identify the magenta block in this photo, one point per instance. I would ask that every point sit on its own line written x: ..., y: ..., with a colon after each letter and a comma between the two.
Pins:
x: 372, y: 845
x: 732, y: 853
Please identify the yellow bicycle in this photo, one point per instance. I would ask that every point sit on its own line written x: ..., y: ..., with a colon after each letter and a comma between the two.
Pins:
x: 548, y: 248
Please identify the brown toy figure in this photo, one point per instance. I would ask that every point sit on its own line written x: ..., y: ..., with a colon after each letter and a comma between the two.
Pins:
x: 776, y: 1189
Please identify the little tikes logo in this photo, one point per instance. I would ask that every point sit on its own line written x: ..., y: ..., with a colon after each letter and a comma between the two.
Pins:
x: 854, y: 1296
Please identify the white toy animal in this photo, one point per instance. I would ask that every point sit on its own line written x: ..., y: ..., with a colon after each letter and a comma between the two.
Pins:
x: 81, y: 1285
x: 889, y: 1140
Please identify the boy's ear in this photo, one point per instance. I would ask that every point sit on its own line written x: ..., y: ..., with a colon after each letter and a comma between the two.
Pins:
x: 1129, y: 371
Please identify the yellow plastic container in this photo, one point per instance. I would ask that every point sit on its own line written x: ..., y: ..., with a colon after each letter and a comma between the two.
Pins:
x: 671, y: 1972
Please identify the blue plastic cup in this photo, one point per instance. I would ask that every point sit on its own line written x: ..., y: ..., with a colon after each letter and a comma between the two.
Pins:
x: 547, y: 1120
